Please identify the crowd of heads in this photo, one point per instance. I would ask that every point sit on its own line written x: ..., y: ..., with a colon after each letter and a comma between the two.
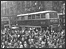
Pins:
x: 32, y: 38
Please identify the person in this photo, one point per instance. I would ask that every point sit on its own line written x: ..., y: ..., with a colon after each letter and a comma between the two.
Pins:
x: 21, y: 46
x: 25, y: 44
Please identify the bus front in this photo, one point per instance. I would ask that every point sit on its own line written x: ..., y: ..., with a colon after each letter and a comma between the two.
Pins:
x: 54, y: 21
x: 54, y: 18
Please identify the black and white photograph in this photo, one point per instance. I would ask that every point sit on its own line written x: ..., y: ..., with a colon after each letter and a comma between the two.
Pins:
x: 32, y: 24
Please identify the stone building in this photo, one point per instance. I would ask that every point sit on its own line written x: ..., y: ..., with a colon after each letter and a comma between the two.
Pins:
x: 11, y: 8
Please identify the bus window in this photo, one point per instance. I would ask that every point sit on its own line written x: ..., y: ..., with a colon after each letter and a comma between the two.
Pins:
x: 42, y: 15
x: 33, y: 16
x: 23, y: 17
x: 47, y: 15
x: 53, y: 15
x: 29, y: 16
x: 19, y: 18
x: 37, y: 16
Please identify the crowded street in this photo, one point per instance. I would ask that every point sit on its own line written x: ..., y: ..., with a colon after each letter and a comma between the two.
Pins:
x: 32, y: 39
x: 37, y: 26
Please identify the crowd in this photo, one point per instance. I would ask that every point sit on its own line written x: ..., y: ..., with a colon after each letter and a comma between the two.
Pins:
x: 32, y: 38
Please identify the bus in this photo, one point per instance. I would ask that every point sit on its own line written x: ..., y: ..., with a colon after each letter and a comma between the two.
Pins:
x: 41, y: 18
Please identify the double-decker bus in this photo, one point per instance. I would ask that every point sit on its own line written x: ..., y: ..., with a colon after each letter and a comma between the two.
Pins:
x: 41, y: 18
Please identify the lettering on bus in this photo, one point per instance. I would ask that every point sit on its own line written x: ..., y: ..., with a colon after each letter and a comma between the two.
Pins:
x: 42, y: 22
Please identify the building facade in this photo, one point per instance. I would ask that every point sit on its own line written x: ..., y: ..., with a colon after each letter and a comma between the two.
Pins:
x: 11, y: 8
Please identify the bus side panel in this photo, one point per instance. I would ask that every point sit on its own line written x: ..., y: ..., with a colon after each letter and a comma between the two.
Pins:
x: 34, y: 22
